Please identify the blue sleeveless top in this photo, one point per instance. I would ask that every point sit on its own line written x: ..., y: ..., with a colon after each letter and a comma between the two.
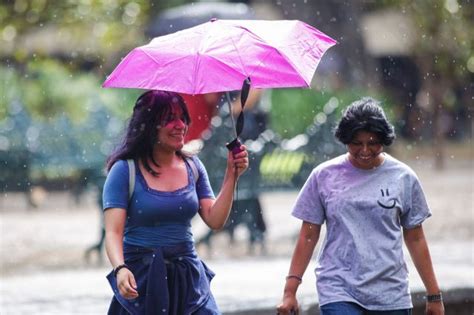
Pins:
x: 156, y: 218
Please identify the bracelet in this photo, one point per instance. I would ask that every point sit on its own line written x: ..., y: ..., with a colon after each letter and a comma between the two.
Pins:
x: 295, y: 277
x: 434, y: 297
x: 117, y: 269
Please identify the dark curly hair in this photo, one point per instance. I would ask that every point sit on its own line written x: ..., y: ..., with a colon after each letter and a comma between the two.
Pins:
x: 364, y: 115
x: 150, y: 110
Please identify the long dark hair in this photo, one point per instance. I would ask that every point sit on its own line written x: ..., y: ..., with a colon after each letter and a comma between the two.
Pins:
x: 150, y: 110
x: 364, y: 115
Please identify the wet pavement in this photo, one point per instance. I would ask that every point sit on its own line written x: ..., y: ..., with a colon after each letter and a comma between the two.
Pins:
x: 43, y: 270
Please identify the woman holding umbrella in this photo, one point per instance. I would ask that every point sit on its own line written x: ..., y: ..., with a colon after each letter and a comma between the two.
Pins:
x: 148, y: 236
x: 370, y: 203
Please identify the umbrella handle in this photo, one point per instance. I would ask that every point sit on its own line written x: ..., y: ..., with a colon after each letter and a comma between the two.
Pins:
x: 234, y: 146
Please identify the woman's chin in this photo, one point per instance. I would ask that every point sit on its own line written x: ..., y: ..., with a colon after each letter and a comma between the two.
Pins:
x: 179, y: 146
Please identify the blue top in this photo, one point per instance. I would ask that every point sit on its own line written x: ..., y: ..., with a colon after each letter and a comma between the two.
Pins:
x: 361, y: 259
x: 156, y: 218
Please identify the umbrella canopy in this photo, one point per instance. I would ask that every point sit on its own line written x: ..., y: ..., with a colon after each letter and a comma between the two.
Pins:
x: 201, y: 107
x: 219, y: 55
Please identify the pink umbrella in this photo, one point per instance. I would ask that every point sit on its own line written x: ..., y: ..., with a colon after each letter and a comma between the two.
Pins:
x: 219, y: 55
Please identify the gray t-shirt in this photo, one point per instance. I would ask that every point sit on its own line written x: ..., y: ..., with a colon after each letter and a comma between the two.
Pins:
x: 361, y: 259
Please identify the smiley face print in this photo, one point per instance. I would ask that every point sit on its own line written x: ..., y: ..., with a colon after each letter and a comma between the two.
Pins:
x: 386, y: 201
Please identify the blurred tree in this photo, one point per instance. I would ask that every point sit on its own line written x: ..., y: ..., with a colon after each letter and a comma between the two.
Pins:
x: 70, y: 28
x: 45, y: 44
x: 53, y: 57
x: 443, y: 53
x: 306, y: 105
x: 54, y: 53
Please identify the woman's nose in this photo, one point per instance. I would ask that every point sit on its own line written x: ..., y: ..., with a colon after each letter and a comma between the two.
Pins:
x: 179, y: 123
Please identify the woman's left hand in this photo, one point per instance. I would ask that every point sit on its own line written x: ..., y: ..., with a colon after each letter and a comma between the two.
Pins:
x: 238, y: 163
x: 434, y: 308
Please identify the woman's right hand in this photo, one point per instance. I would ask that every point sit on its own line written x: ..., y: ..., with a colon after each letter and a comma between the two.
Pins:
x: 288, y: 306
x: 237, y: 163
x: 126, y: 284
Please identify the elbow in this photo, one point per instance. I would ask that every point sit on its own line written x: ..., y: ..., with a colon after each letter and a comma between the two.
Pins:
x: 110, y: 238
x: 217, y: 226
x: 411, y: 242
x: 311, y: 240
x: 113, y: 235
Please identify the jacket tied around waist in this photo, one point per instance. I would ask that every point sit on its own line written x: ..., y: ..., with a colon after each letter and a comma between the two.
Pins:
x: 171, y: 280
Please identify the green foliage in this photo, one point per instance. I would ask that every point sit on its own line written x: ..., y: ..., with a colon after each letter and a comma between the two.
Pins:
x: 48, y: 88
x: 446, y: 33
x: 45, y: 90
x: 61, y: 119
x: 281, y: 166
x: 9, y: 89
x: 54, y: 56
x: 444, y: 30
x: 102, y: 26
x: 96, y: 29
x: 48, y: 78
x: 293, y: 110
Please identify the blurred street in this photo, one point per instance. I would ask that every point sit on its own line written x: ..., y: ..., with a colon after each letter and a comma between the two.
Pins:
x: 59, y: 123
x: 43, y: 270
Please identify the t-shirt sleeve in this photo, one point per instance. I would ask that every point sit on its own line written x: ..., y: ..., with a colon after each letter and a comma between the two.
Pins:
x: 416, y: 207
x: 115, y: 193
x: 308, y: 206
x: 203, y: 186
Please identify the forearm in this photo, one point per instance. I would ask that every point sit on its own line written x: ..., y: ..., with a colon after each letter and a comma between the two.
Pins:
x: 419, y: 252
x: 114, y: 248
x: 114, y: 220
x: 219, y: 212
x: 302, y: 254
x: 215, y: 212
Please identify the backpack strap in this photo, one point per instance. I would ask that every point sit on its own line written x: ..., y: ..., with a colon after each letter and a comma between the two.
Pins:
x: 192, y: 163
x: 131, y: 178
x: 131, y: 174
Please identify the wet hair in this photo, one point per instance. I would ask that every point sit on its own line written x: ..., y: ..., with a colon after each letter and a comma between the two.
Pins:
x: 364, y: 115
x: 151, y: 109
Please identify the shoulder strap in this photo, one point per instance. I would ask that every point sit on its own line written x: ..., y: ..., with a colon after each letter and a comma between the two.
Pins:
x: 131, y: 174
x: 131, y: 178
x: 194, y: 168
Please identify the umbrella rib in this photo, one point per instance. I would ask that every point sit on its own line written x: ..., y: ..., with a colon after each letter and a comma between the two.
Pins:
x: 264, y: 59
x: 225, y: 64
x: 149, y: 56
x: 240, y: 57
x: 286, y: 59
x: 157, y: 62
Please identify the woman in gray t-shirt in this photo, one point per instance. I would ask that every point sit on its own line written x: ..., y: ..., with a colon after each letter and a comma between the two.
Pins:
x: 370, y: 203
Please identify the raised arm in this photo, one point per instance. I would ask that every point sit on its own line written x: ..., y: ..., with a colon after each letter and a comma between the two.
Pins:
x: 215, y: 212
x: 418, y: 247
x: 308, y: 238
